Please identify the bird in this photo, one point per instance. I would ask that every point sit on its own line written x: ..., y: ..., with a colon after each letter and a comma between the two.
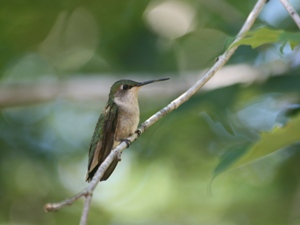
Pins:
x: 118, y: 121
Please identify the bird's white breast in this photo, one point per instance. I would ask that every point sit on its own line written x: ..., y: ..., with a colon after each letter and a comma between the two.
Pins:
x: 128, y: 116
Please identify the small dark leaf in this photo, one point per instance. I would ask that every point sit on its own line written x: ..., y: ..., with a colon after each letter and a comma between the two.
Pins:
x: 230, y: 156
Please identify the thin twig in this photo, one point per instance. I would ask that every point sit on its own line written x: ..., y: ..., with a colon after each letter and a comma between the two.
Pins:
x: 88, y: 191
x: 170, y: 107
x: 291, y: 11
x: 85, y: 210
x: 51, y: 207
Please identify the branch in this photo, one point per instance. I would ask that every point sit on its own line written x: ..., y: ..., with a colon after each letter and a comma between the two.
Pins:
x: 291, y: 11
x: 87, y: 192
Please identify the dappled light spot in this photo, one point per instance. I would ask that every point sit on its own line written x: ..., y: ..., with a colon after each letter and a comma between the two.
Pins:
x: 170, y: 19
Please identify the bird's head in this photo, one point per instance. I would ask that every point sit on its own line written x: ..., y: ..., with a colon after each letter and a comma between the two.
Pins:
x: 124, y: 90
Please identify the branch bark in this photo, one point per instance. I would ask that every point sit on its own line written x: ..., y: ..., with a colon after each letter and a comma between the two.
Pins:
x: 291, y: 11
x: 87, y: 192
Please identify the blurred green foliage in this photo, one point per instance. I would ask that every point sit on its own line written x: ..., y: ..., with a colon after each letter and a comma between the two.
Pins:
x: 165, y: 175
x: 265, y: 35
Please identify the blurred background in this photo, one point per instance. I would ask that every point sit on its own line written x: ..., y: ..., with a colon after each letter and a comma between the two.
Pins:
x: 58, y: 60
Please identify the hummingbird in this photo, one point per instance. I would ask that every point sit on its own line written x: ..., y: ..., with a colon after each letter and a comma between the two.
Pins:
x: 118, y: 121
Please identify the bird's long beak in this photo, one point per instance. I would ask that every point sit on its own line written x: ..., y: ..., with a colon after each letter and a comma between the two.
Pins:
x: 152, y: 81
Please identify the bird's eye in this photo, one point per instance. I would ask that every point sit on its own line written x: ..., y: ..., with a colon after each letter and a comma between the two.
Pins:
x: 126, y: 86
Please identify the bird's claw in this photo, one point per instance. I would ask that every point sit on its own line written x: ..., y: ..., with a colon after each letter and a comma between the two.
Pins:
x: 128, y: 142
x: 119, y: 156
x: 138, y: 132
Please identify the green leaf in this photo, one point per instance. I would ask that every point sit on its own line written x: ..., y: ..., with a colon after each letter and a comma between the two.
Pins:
x: 232, y: 154
x: 267, y: 36
x: 292, y: 38
x: 269, y: 142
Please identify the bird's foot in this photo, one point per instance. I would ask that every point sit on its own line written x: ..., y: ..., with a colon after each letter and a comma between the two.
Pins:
x: 119, y: 156
x: 128, y: 142
x: 138, y: 132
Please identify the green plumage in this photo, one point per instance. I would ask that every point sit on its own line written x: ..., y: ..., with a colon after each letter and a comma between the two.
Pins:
x: 103, y: 138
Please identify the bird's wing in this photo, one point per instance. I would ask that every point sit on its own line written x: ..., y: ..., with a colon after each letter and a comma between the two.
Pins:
x: 102, y: 141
